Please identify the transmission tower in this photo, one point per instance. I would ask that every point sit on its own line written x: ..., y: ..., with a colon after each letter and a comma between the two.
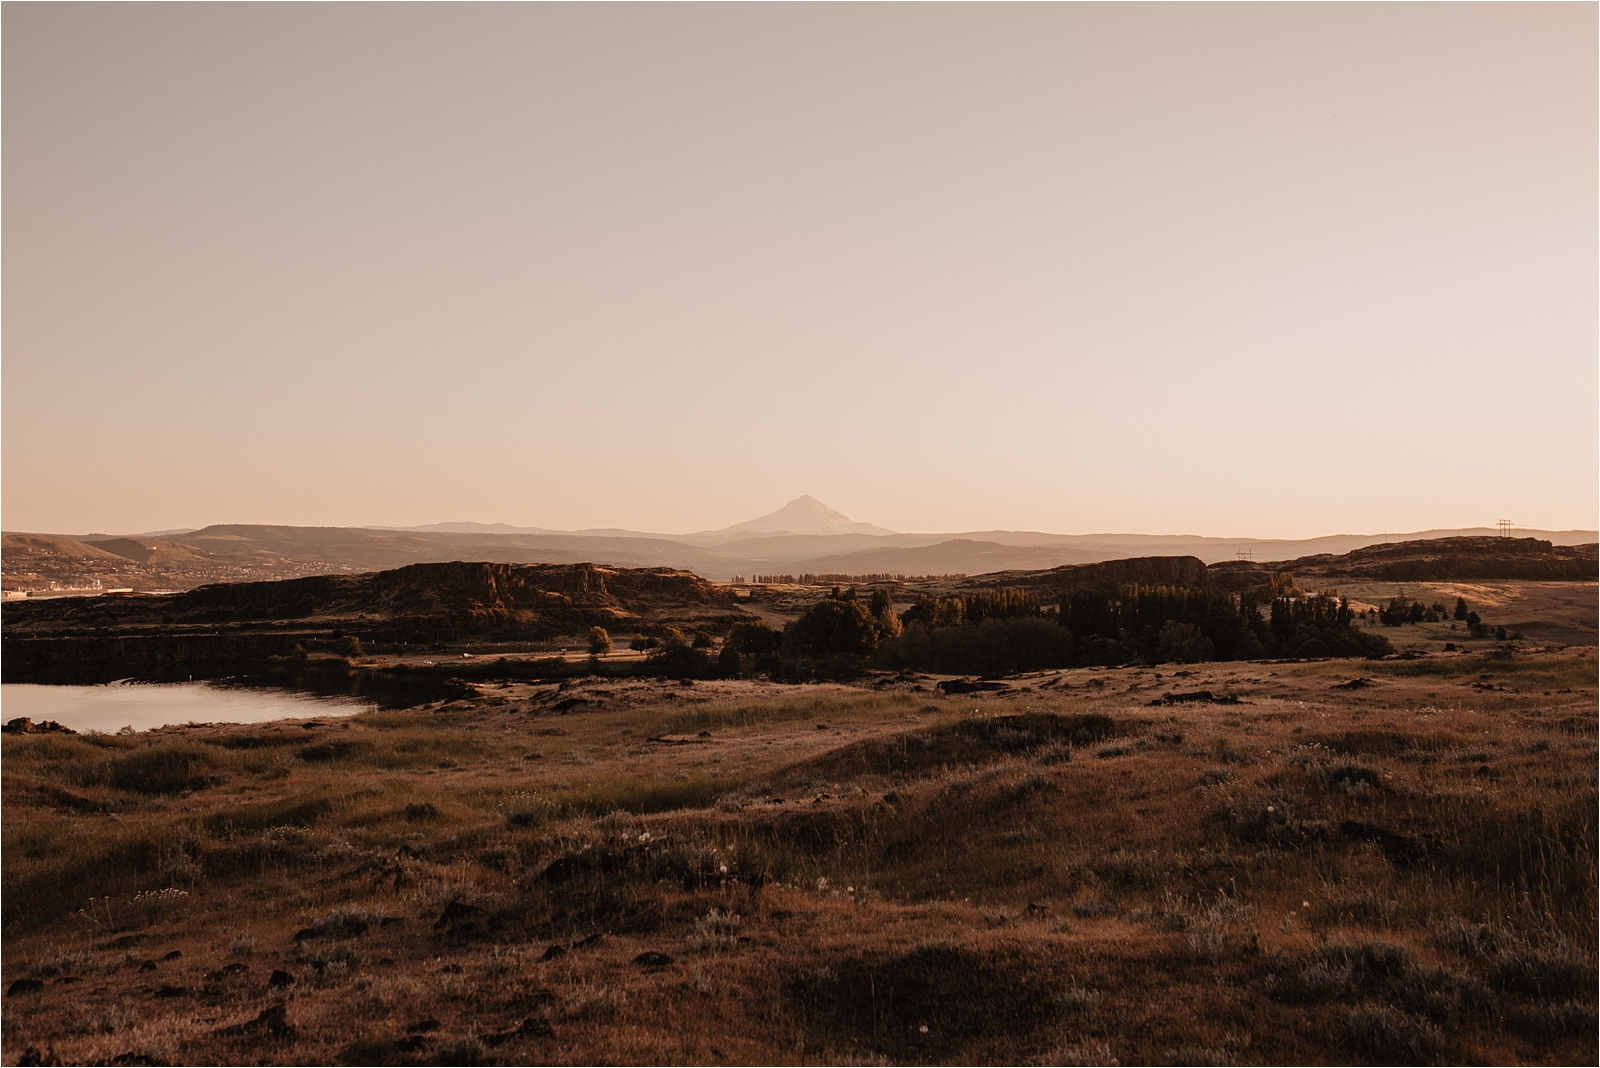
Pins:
x: 1505, y: 528
x: 1244, y: 554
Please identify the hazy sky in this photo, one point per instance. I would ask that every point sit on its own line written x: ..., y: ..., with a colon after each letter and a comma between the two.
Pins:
x: 1235, y: 270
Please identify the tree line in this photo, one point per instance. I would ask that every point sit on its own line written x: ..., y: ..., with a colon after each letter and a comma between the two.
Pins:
x: 1165, y: 624
x: 809, y: 579
x: 1005, y: 630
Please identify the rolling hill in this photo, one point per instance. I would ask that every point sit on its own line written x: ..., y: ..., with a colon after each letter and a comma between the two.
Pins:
x: 803, y: 536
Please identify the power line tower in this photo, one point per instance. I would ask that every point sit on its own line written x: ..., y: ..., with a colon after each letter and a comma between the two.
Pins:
x: 1244, y: 554
x: 1505, y: 528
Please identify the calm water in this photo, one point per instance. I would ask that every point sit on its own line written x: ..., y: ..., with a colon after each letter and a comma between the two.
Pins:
x: 144, y: 705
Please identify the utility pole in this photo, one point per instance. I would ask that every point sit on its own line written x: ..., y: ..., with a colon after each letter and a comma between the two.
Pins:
x: 1505, y: 528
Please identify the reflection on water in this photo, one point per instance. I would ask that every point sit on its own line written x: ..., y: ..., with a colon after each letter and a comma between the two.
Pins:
x: 143, y: 705
x: 249, y: 693
x: 335, y: 678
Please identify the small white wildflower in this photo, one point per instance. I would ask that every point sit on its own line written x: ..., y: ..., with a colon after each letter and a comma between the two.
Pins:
x: 724, y: 869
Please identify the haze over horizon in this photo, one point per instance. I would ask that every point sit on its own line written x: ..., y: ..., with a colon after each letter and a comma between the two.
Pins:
x: 805, y: 515
x: 1235, y: 271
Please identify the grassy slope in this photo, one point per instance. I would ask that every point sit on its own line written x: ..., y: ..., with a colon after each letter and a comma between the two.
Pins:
x: 1399, y: 872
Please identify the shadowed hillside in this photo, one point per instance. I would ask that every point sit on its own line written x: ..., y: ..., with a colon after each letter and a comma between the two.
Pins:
x: 1109, y: 575
x: 527, y: 601
x: 803, y: 537
x: 1436, y: 560
x: 420, y: 604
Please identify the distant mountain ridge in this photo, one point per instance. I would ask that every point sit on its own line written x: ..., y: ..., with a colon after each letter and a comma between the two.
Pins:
x: 792, y: 534
x: 803, y: 515
x: 804, y: 536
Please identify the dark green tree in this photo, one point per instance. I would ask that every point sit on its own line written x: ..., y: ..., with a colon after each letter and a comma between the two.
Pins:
x: 1182, y: 643
x: 839, y: 625
x: 882, y: 608
x: 676, y: 660
x: 1397, y: 612
x: 999, y: 604
x: 995, y: 646
x: 935, y: 612
x: 1089, y: 613
x: 754, y: 639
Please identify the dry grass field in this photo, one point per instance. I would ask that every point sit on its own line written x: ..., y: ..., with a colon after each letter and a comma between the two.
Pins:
x: 1563, y: 612
x: 1358, y: 862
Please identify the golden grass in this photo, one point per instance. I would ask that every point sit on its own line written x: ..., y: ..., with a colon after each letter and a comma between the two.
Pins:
x: 1056, y: 874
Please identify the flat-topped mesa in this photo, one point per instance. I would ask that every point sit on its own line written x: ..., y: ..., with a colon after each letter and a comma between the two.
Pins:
x: 415, y: 603
x: 1429, y: 560
x: 1139, y: 571
x: 1109, y: 575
